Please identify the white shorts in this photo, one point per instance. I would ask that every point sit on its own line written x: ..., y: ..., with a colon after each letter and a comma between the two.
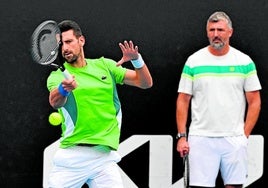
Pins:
x: 75, y: 166
x: 208, y: 155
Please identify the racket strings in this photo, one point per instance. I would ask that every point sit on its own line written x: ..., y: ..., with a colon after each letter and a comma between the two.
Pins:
x: 45, y: 43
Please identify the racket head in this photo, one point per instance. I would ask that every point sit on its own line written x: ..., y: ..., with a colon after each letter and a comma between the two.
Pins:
x: 186, y: 172
x: 45, y: 42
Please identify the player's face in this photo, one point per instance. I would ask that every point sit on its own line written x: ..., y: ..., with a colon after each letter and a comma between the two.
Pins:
x: 71, y: 46
x: 219, y: 34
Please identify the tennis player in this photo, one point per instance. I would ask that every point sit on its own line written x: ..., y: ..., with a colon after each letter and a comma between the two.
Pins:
x: 91, y: 109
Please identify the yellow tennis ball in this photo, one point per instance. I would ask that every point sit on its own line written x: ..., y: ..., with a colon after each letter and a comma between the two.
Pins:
x: 55, y: 118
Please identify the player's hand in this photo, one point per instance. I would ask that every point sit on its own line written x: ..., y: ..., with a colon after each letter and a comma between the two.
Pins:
x: 183, y: 147
x: 69, y: 84
x: 130, y: 52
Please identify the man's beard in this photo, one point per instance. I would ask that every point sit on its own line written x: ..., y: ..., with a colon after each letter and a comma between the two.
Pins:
x: 73, y: 60
x: 216, y: 45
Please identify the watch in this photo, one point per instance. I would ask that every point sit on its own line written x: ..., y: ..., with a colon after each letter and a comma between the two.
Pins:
x: 179, y: 135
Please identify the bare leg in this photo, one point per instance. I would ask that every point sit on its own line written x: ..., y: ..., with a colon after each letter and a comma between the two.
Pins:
x: 233, y: 186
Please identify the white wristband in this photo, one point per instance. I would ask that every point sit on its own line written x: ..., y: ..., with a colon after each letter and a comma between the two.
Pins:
x: 138, y: 63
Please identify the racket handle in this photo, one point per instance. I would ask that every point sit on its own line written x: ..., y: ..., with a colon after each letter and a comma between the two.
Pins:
x: 66, y: 74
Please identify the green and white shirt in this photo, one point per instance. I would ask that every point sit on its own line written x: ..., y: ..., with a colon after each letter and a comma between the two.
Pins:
x: 92, y: 113
x: 218, y: 85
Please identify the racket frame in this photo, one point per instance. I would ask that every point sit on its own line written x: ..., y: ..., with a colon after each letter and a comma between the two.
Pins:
x: 53, y: 54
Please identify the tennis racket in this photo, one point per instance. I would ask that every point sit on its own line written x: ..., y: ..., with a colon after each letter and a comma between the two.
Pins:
x: 186, y: 171
x: 45, y: 46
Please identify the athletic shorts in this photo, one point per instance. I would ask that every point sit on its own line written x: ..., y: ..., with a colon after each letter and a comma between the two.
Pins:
x: 209, y: 155
x: 75, y: 166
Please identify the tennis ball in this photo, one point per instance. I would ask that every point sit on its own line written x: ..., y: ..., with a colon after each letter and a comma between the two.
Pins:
x: 55, y: 118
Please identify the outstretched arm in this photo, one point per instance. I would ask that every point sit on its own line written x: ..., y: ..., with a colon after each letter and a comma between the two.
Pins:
x: 140, y: 77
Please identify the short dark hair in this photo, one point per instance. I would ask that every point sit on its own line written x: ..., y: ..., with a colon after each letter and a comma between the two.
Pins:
x: 67, y: 25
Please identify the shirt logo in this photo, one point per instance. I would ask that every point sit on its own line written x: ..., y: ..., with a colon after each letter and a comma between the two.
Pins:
x: 231, y: 69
